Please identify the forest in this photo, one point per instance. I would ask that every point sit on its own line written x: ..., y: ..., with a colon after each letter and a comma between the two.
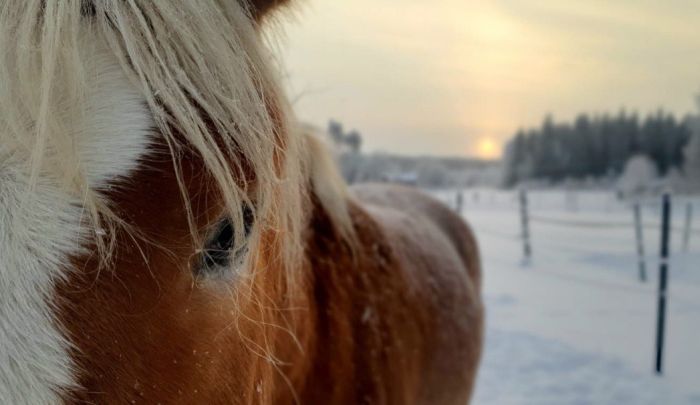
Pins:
x: 595, y: 146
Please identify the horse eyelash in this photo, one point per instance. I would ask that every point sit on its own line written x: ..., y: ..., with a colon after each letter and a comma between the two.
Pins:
x: 218, y: 252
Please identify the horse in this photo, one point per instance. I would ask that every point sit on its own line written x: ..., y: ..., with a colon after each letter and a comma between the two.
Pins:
x: 171, y: 234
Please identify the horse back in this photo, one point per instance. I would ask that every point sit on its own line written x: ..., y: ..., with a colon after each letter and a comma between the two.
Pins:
x: 433, y: 218
x: 399, y: 317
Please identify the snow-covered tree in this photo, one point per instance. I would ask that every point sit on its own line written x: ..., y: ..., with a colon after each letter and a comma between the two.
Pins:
x: 692, y: 150
x: 692, y: 159
x: 335, y: 131
x: 638, y: 176
x: 675, y: 180
x: 354, y: 141
x: 375, y: 167
x: 351, y: 166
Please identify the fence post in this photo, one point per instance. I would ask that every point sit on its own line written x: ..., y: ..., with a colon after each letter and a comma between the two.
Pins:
x: 641, y: 260
x: 688, y: 223
x: 459, y: 200
x: 663, y: 281
x: 525, y: 223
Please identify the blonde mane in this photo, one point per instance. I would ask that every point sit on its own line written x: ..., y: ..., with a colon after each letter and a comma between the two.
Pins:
x: 87, y: 89
x: 206, y: 78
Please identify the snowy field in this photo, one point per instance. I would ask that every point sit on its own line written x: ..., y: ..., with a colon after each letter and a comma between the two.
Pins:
x: 575, y: 325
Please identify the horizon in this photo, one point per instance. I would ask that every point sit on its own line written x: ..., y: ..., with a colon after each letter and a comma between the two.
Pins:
x: 455, y: 79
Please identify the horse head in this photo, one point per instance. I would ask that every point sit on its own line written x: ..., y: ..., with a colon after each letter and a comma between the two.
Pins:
x: 151, y: 188
x: 170, y: 234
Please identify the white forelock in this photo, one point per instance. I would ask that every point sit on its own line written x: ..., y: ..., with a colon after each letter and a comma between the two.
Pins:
x: 40, y: 229
x: 117, y: 125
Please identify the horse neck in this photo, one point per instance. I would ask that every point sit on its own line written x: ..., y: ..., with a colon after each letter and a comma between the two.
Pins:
x: 352, y: 310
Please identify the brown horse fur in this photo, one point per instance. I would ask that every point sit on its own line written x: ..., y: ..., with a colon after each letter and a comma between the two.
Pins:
x: 395, y: 320
x: 385, y: 307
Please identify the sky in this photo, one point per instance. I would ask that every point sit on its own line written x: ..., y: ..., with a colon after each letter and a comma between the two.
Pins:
x: 459, y: 77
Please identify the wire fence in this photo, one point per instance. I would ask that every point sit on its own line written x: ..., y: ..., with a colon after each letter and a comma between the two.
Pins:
x: 604, y: 224
x: 572, y: 204
x: 637, y: 226
x: 626, y: 248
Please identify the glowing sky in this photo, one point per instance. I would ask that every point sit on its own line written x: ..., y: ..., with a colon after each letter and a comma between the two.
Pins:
x: 458, y: 77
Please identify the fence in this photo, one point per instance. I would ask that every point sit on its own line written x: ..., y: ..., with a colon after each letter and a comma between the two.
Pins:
x: 529, y: 222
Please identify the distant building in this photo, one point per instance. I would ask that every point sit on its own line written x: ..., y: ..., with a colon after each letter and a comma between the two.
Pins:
x: 408, y: 178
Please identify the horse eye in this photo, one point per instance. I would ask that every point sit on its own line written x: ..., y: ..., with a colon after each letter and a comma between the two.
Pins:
x: 218, y: 252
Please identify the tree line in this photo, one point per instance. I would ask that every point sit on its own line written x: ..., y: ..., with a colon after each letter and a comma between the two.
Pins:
x: 595, y: 146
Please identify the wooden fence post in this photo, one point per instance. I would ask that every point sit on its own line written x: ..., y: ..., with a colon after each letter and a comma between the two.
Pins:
x: 641, y: 260
x: 525, y: 223
x: 459, y: 201
x: 663, y: 282
x: 688, y: 225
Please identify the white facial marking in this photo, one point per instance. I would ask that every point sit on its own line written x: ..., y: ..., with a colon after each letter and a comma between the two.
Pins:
x: 118, y: 123
x: 41, y: 228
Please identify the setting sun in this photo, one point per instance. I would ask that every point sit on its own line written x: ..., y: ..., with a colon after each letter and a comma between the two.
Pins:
x: 487, y: 148
x: 421, y: 77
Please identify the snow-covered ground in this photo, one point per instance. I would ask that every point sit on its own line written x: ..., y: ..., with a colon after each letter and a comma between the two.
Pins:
x: 575, y: 325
